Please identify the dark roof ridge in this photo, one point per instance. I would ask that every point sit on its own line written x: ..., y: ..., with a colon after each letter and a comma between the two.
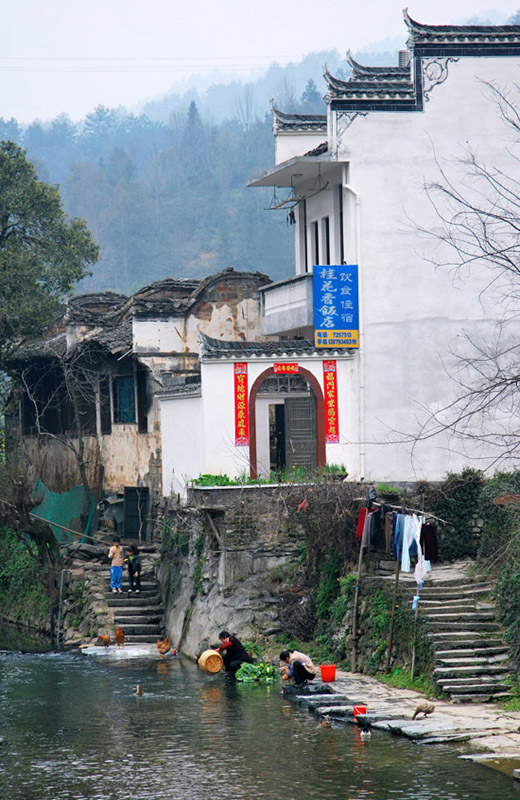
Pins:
x: 421, y: 28
x: 285, y: 121
x: 375, y: 71
x: 217, y: 348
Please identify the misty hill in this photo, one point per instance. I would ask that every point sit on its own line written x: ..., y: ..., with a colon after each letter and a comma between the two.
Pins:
x: 163, y: 191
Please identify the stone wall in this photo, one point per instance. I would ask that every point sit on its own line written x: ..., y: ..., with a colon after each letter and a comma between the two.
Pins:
x: 223, y: 560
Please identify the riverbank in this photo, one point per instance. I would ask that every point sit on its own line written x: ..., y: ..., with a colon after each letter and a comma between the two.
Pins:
x: 492, y: 732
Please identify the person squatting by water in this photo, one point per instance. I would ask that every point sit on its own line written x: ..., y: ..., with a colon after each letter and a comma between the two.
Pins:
x: 134, y: 569
x: 115, y: 555
x: 233, y: 652
x: 298, y: 666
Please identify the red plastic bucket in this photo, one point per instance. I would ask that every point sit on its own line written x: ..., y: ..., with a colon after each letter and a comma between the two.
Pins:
x: 328, y: 672
x: 359, y: 710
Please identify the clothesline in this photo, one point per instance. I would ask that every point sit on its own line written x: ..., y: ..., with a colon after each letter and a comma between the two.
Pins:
x: 405, y: 509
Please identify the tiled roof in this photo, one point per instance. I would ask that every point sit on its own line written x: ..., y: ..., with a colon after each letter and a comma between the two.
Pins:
x: 298, y: 122
x: 461, y: 34
x: 217, y: 348
x: 400, y: 87
x: 179, y: 385
x: 97, y: 308
x: 53, y: 347
x: 360, y: 72
x: 167, y: 296
x: 320, y: 150
x: 116, y: 339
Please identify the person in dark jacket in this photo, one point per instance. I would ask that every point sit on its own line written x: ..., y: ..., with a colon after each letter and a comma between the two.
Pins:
x: 233, y: 652
x: 134, y: 569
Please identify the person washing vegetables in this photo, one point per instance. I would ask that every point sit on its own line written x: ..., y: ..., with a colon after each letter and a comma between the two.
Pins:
x: 298, y: 666
x: 233, y: 652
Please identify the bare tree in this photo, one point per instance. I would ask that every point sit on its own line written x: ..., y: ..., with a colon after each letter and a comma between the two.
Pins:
x: 69, y: 401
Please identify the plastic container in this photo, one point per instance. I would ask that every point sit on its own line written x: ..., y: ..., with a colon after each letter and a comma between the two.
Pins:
x: 210, y: 662
x: 359, y: 710
x: 328, y: 673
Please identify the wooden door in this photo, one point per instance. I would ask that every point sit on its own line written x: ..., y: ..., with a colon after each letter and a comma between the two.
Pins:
x: 300, y: 433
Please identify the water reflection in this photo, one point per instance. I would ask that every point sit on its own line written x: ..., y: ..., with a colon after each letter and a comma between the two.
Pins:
x: 74, y: 728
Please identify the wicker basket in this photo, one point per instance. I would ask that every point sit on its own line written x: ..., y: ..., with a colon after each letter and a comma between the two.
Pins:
x: 211, y: 662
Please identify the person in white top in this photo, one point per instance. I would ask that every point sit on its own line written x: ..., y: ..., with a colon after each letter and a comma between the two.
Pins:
x: 299, y: 666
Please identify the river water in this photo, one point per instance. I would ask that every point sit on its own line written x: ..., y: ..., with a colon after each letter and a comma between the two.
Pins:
x: 73, y: 728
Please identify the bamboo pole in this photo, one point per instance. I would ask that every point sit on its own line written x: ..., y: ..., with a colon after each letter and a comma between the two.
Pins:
x: 412, y: 674
x: 353, y: 658
x: 392, y: 614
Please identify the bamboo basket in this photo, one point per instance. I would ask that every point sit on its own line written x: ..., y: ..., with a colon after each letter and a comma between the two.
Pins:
x: 210, y: 662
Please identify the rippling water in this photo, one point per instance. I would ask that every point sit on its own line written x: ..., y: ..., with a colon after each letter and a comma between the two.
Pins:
x: 73, y: 728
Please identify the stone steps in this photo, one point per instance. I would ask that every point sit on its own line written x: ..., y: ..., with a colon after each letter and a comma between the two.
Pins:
x: 453, y: 640
x: 489, y: 653
x: 471, y: 617
x: 471, y: 661
x: 468, y: 697
x: 140, y: 615
x: 460, y: 671
x: 446, y: 625
x: 471, y: 658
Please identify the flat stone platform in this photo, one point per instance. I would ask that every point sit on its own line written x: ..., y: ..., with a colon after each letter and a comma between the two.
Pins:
x: 123, y: 653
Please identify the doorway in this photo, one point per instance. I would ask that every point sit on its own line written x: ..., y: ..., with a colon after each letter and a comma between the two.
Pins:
x: 286, y: 423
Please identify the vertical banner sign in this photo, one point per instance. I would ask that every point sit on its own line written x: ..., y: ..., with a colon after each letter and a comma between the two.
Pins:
x: 330, y: 390
x: 336, y: 306
x: 241, y: 405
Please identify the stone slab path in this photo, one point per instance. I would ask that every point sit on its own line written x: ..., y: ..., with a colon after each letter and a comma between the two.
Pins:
x: 493, y: 732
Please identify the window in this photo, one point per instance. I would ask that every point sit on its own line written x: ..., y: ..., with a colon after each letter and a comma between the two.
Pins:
x: 124, y: 398
x: 104, y: 405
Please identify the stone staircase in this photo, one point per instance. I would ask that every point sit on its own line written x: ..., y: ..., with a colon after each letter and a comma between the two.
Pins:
x: 141, y: 616
x: 471, y: 656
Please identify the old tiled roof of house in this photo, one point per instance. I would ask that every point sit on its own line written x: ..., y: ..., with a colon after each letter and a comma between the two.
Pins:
x: 298, y: 122
x: 373, y: 87
x: 116, y: 339
x: 97, y: 308
x: 179, y: 385
x: 320, y: 150
x: 219, y: 348
x: 362, y: 73
x: 167, y: 296
x: 404, y: 88
x: 460, y: 34
x: 52, y: 347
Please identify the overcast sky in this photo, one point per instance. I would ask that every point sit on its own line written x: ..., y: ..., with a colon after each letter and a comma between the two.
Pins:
x: 71, y: 55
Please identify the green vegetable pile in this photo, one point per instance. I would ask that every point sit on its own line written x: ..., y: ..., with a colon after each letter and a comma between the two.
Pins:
x: 257, y: 673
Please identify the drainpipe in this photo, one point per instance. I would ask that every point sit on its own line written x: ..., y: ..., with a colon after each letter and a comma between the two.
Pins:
x: 361, y: 394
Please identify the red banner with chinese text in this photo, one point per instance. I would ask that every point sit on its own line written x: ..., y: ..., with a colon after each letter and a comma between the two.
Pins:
x: 330, y: 390
x: 241, y: 405
x: 286, y: 369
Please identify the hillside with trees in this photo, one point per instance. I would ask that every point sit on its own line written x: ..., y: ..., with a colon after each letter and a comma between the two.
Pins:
x: 163, y: 191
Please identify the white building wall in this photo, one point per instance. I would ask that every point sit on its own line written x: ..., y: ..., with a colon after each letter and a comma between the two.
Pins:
x: 289, y: 145
x: 182, y: 433
x: 412, y: 314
